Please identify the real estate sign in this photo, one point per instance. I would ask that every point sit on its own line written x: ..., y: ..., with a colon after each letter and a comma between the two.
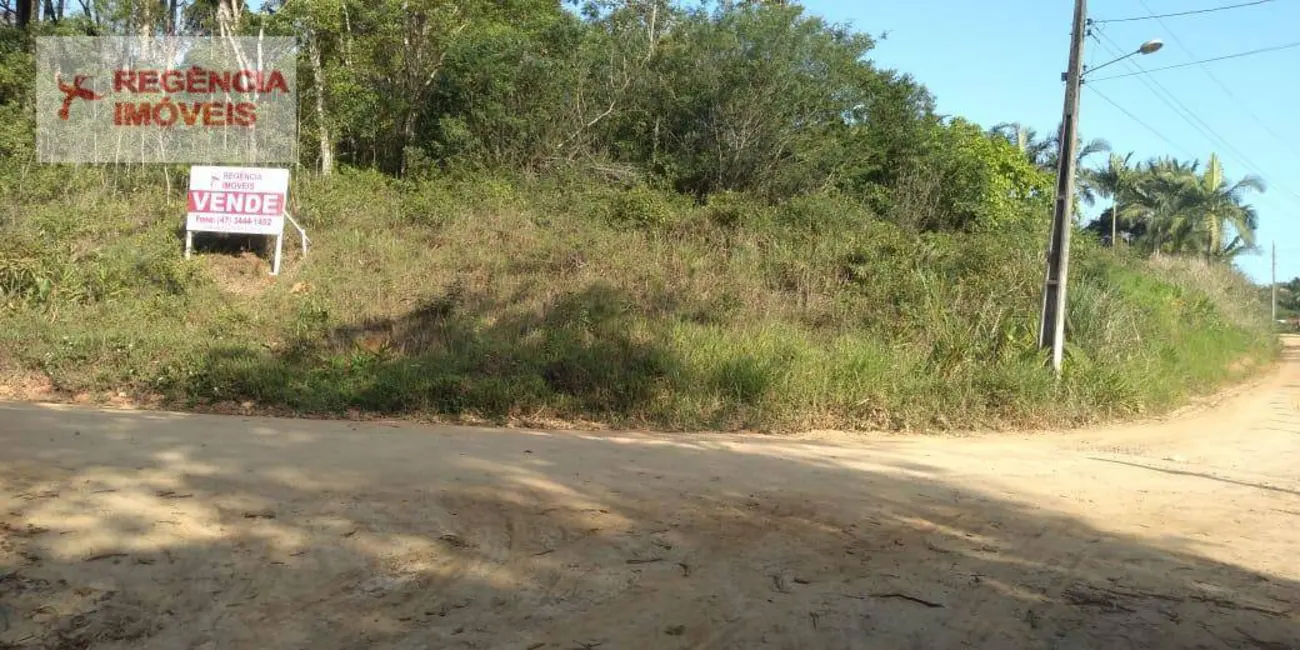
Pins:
x: 246, y: 200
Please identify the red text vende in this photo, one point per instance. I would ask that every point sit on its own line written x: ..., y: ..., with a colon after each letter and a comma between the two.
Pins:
x: 257, y: 203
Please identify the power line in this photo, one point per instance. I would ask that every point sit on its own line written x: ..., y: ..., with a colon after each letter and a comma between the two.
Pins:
x: 1137, y: 119
x: 1195, y: 121
x: 1182, y: 13
x: 1201, y: 126
x: 1238, y: 55
x: 1164, y: 95
x: 1222, y: 86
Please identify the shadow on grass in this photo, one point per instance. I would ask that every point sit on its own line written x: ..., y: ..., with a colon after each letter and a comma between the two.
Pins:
x: 585, y: 354
x: 165, y: 531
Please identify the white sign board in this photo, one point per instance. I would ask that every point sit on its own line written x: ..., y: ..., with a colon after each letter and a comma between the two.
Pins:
x: 246, y: 200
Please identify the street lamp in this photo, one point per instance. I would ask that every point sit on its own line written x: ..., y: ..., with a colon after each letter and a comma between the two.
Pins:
x: 1051, y: 332
x: 1149, y: 47
x: 1152, y: 46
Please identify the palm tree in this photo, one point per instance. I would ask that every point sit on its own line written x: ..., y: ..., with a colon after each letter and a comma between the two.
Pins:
x: 1183, y: 211
x: 1221, y: 205
x: 1082, y: 151
x: 1110, y: 182
x: 1044, y: 153
x: 1159, y: 201
x: 1025, y: 139
x: 1167, y: 164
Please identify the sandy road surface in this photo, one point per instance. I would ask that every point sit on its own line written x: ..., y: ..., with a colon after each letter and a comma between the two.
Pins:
x: 137, y: 530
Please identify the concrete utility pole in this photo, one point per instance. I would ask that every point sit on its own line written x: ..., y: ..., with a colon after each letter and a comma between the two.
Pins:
x: 1275, y: 283
x: 1051, y: 331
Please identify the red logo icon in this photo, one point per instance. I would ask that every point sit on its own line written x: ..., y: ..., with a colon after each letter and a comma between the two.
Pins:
x: 76, y: 90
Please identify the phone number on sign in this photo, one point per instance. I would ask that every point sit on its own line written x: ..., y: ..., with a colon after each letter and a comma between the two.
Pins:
x: 252, y: 221
x: 235, y: 221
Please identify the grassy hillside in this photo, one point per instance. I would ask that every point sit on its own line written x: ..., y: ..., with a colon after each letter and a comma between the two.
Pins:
x: 638, y: 214
x: 533, y: 300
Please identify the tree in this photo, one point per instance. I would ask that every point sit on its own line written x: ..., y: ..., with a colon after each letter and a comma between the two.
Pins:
x: 1185, y: 211
x: 24, y: 13
x: 54, y: 10
x: 1110, y: 182
x: 1035, y: 149
x: 985, y: 184
x: 1083, y: 150
x: 1223, y: 210
x: 1159, y: 201
x: 738, y: 95
x: 317, y: 23
x: 1044, y: 153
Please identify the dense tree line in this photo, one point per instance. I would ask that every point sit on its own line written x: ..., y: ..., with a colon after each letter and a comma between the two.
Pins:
x: 1288, y: 300
x: 1171, y: 206
x: 1160, y: 206
x: 750, y: 96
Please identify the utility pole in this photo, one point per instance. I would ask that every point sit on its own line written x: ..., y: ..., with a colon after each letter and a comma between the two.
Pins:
x: 1274, y: 284
x: 1051, y: 331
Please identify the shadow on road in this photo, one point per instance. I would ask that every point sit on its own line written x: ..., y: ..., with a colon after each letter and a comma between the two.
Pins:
x: 168, y: 531
x: 1208, y: 477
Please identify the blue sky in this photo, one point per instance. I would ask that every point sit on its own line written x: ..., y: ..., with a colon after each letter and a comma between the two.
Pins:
x: 1002, y: 61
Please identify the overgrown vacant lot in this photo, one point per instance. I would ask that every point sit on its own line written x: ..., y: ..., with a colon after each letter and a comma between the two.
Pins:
x: 638, y: 214
x: 534, y: 300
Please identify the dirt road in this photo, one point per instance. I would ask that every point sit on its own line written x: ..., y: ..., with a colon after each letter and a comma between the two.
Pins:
x: 138, y: 530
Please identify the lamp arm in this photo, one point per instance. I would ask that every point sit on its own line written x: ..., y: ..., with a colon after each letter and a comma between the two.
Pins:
x: 1089, y: 70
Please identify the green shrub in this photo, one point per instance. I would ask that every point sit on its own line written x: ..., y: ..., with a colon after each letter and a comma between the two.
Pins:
x: 824, y: 212
x: 644, y: 207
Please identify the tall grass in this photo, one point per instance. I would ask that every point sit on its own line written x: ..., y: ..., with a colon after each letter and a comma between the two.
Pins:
x: 535, y: 300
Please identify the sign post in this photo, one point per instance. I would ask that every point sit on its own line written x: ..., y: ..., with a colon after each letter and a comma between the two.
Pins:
x: 240, y: 200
